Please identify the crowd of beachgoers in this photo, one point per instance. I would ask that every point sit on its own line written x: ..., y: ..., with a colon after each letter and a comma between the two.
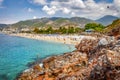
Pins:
x: 66, y: 39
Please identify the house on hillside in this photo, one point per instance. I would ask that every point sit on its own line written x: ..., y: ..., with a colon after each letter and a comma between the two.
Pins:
x: 90, y: 30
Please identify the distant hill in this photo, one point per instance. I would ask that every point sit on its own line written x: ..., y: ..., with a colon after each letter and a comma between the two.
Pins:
x: 81, y: 21
x: 106, y: 20
x: 3, y: 25
x: 114, y: 28
x: 53, y: 22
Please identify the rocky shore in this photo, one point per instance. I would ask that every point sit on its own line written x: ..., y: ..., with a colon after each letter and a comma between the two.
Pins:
x: 93, y: 59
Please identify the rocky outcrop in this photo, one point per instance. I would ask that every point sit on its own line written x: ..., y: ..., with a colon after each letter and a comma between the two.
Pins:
x: 92, y: 60
x: 114, y: 29
x: 86, y: 45
x: 57, y: 67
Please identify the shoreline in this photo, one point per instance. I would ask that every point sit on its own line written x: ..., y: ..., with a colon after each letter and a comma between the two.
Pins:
x: 90, y: 58
x: 66, y: 39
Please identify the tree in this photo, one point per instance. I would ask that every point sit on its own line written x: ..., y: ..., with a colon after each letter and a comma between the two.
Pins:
x: 64, y: 30
x: 36, y: 30
x: 49, y: 30
x: 94, y: 26
x: 71, y: 30
x: 78, y: 30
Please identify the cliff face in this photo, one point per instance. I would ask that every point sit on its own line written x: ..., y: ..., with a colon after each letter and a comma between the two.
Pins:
x: 92, y: 60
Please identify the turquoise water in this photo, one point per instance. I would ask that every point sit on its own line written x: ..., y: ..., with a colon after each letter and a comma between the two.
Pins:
x: 17, y: 52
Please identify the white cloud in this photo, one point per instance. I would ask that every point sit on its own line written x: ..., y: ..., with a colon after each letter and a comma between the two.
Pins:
x: 77, y: 3
x: 73, y: 14
x: 30, y: 10
x: 34, y: 17
x: 82, y: 8
x: 90, y: 4
x: 65, y: 6
x: 95, y: 10
x: 117, y: 4
x: 50, y: 11
x: 41, y: 2
x: 66, y: 10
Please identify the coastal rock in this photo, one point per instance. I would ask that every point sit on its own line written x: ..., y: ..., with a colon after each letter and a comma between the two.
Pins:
x: 118, y: 37
x: 37, y: 68
x: 113, y: 57
x: 103, y: 63
x: 86, y: 45
x: 57, y: 67
x: 103, y: 42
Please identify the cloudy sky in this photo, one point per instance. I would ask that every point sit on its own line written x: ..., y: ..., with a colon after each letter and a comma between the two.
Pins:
x: 12, y: 11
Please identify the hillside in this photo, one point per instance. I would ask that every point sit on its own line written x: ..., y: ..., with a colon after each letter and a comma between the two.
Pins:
x: 26, y: 23
x: 53, y: 22
x: 3, y: 25
x: 106, y: 20
x: 114, y: 28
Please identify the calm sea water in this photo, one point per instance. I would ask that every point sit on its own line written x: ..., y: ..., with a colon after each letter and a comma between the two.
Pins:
x: 16, y: 53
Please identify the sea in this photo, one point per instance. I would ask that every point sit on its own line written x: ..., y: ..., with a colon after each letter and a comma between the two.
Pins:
x: 17, y: 52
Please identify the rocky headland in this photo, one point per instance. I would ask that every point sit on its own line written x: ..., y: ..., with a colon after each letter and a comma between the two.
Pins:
x: 93, y: 59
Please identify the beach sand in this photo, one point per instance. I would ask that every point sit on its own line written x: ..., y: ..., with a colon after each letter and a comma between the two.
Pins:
x: 66, y: 39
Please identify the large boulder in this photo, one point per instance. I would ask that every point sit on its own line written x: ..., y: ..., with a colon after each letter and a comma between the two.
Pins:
x: 103, y: 42
x: 87, y: 45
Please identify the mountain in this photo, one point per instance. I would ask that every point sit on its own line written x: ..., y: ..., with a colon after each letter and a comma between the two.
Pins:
x: 81, y: 21
x: 3, y: 25
x: 106, y: 20
x: 53, y: 22
x: 114, y: 28
x: 22, y: 24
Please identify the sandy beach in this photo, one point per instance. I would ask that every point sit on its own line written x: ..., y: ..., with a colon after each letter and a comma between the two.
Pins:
x: 66, y: 39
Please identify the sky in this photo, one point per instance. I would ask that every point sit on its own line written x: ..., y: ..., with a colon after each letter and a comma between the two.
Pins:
x: 12, y: 11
